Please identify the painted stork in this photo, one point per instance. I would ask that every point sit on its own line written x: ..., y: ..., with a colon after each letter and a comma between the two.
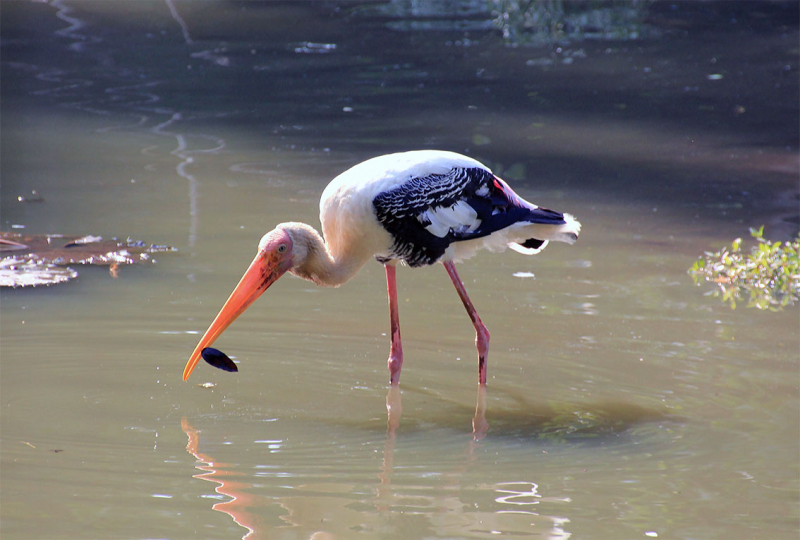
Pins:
x: 418, y: 208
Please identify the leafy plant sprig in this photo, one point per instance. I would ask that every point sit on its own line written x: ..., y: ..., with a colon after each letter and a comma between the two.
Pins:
x: 769, y: 276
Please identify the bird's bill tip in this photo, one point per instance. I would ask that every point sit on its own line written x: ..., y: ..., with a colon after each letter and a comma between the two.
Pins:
x: 263, y: 272
x: 193, y: 360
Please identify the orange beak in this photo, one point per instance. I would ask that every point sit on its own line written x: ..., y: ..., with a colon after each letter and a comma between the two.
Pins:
x: 265, y: 269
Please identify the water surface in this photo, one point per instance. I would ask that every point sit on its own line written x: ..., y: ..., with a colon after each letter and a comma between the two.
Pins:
x: 622, y: 402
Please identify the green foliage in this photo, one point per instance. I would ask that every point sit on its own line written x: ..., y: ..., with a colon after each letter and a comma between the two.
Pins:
x: 543, y: 22
x: 769, y: 276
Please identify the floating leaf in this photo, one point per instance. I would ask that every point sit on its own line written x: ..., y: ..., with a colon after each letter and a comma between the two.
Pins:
x: 21, y: 272
x: 30, y: 260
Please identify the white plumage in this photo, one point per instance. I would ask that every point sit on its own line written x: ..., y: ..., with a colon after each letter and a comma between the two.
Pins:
x: 418, y: 207
x: 347, y: 212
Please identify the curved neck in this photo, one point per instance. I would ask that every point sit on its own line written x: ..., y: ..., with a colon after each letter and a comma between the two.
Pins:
x: 314, y: 260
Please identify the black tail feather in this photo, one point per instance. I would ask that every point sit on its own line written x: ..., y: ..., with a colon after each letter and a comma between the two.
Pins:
x: 532, y: 243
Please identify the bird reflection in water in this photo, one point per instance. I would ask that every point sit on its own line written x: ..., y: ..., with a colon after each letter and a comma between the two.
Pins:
x: 243, y: 504
x: 314, y: 506
x: 394, y: 410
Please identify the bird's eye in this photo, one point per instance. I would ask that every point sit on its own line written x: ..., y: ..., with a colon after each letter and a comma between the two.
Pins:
x: 281, y: 248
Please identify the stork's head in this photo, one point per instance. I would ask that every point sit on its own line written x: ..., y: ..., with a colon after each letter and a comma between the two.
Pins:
x: 276, y: 254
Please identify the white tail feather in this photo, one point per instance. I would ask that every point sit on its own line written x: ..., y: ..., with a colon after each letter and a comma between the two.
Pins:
x: 519, y: 248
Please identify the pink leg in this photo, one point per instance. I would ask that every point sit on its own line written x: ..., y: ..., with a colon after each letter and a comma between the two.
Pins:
x: 481, y: 333
x: 396, y: 350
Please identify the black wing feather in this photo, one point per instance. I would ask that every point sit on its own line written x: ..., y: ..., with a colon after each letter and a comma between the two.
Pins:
x: 400, y: 211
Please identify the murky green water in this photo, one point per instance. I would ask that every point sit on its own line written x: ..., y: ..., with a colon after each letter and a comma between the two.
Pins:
x: 622, y: 402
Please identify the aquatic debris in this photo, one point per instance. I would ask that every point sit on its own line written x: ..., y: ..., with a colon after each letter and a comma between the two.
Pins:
x: 28, y: 260
x: 34, y: 197
x: 218, y: 359
x: 769, y: 275
x: 548, y: 23
x: 309, y: 47
x: 21, y: 272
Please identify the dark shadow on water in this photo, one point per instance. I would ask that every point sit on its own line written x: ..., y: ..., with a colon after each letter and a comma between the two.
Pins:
x: 568, y: 422
x: 516, y: 419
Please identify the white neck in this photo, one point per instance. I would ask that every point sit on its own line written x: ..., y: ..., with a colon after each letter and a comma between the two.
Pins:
x: 314, y: 261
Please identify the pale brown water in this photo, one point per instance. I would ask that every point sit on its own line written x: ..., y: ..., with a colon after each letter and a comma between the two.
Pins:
x: 622, y: 402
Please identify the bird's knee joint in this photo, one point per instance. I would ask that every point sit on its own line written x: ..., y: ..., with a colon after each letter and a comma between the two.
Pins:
x: 482, y: 335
